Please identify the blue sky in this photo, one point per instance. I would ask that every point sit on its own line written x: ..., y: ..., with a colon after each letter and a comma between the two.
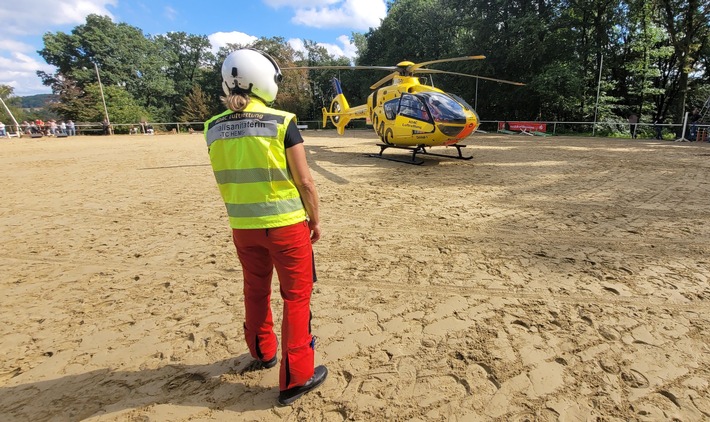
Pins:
x: 327, y: 22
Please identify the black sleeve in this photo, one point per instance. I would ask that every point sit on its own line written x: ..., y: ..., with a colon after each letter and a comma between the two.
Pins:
x: 293, y: 135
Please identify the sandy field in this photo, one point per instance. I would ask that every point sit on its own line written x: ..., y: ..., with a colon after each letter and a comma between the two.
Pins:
x: 545, y: 279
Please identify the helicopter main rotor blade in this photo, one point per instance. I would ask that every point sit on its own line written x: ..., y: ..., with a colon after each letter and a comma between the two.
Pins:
x: 388, y: 68
x: 453, y: 59
x: 503, y: 81
x: 384, y: 80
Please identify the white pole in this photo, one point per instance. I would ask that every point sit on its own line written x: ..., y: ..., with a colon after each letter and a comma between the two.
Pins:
x: 682, y: 136
x: 17, y: 126
x: 599, y: 85
x: 101, y: 88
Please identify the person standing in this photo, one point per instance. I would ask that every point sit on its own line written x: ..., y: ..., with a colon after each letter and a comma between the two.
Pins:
x: 71, y: 129
x: 260, y: 166
x: 2, y: 129
x: 694, y: 119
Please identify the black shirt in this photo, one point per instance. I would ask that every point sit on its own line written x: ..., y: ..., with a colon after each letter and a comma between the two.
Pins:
x: 293, y: 135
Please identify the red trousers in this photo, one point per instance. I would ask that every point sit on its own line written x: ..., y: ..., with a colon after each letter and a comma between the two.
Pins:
x: 289, y: 250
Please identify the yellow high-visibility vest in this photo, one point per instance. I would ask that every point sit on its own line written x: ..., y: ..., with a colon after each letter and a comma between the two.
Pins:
x: 248, y: 158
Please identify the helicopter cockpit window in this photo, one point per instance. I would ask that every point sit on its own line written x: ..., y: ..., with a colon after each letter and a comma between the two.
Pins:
x: 444, y: 108
x: 411, y: 106
x: 462, y: 101
x: 391, y: 108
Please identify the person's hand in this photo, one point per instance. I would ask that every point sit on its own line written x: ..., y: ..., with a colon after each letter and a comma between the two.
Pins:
x: 315, y: 231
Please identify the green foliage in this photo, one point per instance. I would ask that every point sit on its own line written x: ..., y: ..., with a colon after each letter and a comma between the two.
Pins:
x: 12, y: 103
x: 37, y: 101
x: 121, y: 107
x: 196, y: 108
x: 156, y: 73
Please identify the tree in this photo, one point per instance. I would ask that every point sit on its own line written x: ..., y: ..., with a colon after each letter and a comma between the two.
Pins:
x: 184, y: 57
x: 196, y: 106
x: 118, y: 50
x: 687, y: 23
x: 121, y: 53
x: 122, y: 108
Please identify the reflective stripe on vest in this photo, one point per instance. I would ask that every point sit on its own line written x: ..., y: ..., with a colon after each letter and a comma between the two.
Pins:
x: 250, y: 175
x: 249, y: 161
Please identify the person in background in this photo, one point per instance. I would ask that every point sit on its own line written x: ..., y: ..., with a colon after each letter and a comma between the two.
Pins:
x: 694, y: 119
x: 71, y: 128
x: 2, y: 129
x: 658, y: 126
x: 259, y: 162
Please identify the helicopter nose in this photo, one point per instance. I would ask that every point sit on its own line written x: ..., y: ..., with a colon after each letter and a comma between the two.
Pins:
x: 459, y: 130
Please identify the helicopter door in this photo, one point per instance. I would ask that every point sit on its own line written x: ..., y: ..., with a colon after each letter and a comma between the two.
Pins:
x: 412, y: 118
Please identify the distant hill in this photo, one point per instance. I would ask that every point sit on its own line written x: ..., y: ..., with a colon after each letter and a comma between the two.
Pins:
x: 36, y: 101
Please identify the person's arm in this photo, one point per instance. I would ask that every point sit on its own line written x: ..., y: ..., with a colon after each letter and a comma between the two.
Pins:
x: 296, y: 159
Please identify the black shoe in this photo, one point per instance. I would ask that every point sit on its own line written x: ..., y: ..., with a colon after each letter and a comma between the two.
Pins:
x: 289, y: 396
x: 269, y: 363
x: 258, y: 365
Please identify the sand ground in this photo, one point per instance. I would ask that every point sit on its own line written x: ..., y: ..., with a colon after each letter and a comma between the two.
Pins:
x: 545, y: 279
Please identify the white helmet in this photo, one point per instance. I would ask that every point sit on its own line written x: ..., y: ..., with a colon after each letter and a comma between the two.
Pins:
x: 250, y: 71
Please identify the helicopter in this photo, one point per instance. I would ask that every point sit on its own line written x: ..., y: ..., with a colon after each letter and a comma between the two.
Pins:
x: 408, y: 114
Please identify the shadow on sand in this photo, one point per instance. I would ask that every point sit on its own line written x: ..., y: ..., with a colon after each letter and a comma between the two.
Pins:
x: 76, y: 397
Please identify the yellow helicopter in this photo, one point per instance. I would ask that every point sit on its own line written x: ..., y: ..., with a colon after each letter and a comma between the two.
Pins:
x: 408, y: 114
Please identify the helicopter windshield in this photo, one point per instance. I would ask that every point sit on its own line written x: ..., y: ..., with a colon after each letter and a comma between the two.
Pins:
x: 443, y: 108
x: 463, y: 102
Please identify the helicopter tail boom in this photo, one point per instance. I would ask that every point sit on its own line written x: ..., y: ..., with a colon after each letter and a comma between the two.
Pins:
x: 340, y: 112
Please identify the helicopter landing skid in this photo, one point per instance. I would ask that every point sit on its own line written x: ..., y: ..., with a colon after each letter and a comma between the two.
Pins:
x: 416, y: 150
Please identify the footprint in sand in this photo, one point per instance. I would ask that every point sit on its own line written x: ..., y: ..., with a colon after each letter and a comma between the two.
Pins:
x: 491, y: 376
x: 634, y: 379
x: 184, y: 380
x: 545, y: 415
x: 609, y: 366
x: 608, y: 333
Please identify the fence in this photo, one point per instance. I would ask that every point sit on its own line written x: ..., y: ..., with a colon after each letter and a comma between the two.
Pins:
x: 602, y: 129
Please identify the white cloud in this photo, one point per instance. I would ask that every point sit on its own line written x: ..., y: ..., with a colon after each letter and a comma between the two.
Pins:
x: 360, y: 15
x: 349, y: 49
x: 20, y: 72
x: 38, y: 16
x: 14, y: 45
x: 220, y: 39
x: 297, y: 44
x: 346, y: 49
x: 170, y: 13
